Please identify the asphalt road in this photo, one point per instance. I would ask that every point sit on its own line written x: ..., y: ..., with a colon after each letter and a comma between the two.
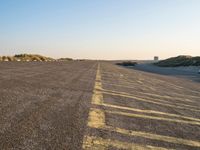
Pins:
x: 95, y: 105
x: 189, y: 72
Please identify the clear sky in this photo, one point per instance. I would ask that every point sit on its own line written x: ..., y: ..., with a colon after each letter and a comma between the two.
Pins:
x: 100, y: 29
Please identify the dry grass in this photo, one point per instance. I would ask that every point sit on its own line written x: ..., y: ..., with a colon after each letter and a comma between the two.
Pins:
x: 65, y: 59
x: 26, y: 57
x: 179, y: 61
x: 31, y: 57
x: 127, y: 63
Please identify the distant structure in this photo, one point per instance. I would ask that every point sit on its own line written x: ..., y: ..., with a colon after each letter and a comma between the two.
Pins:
x: 156, y: 58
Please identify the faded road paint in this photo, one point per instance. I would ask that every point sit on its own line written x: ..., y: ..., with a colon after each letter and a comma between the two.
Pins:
x: 96, y: 117
x: 158, y: 102
x: 96, y: 120
x: 97, y: 143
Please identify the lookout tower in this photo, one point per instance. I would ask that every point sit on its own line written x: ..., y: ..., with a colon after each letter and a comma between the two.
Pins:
x: 156, y: 58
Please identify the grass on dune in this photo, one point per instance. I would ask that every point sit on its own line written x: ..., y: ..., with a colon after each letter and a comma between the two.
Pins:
x: 179, y: 61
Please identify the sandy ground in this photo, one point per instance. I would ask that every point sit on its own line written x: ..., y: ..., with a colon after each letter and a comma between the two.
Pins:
x: 95, y: 105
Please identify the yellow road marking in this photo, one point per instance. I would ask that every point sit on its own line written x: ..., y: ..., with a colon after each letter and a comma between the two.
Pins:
x: 96, y: 117
x: 97, y: 120
x: 97, y: 143
x: 160, y: 100
x: 140, y: 82
x: 156, y: 137
x: 147, y: 111
x: 98, y: 86
x: 141, y: 99
x: 133, y: 86
x: 156, y: 95
x: 144, y: 134
x: 125, y: 86
x: 97, y: 98
x: 153, y: 117
x: 157, y: 81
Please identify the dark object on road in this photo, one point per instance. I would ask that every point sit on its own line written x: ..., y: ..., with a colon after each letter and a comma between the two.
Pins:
x: 127, y: 63
x: 179, y: 61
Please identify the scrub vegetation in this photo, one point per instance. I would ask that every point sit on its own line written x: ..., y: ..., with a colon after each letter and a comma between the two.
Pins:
x: 31, y: 57
x: 65, y: 59
x: 26, y: 57
x: 181, y: 60
x: 127, y: 63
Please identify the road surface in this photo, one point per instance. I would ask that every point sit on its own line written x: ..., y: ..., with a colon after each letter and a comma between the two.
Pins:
x: 189, y: 72
x: 95, y: 105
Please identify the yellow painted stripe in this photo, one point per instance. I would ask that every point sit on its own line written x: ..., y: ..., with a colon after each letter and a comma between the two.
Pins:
x: 96, y: 118
x: 147, y: 111
x: 155, y: 137
x: 97, y: 98
x: 158, y: 100
x: 133, y: 86
x: 173, y: 86
x: 97, y: 143
x: 142, y: 134
x: 98, y: 86
x: 155, y: 95
x: 122, y: 85
x: 157, y: 82
x: 153, y: 117
x: 149, y: 101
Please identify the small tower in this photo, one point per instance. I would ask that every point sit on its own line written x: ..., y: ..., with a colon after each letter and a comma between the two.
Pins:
x: 156, y: 58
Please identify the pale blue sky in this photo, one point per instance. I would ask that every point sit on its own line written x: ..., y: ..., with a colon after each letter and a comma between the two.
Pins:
x: 100, y: 29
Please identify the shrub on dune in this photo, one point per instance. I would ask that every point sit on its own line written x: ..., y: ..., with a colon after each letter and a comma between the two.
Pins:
x: 127, y: 63
x: 179, y: 61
